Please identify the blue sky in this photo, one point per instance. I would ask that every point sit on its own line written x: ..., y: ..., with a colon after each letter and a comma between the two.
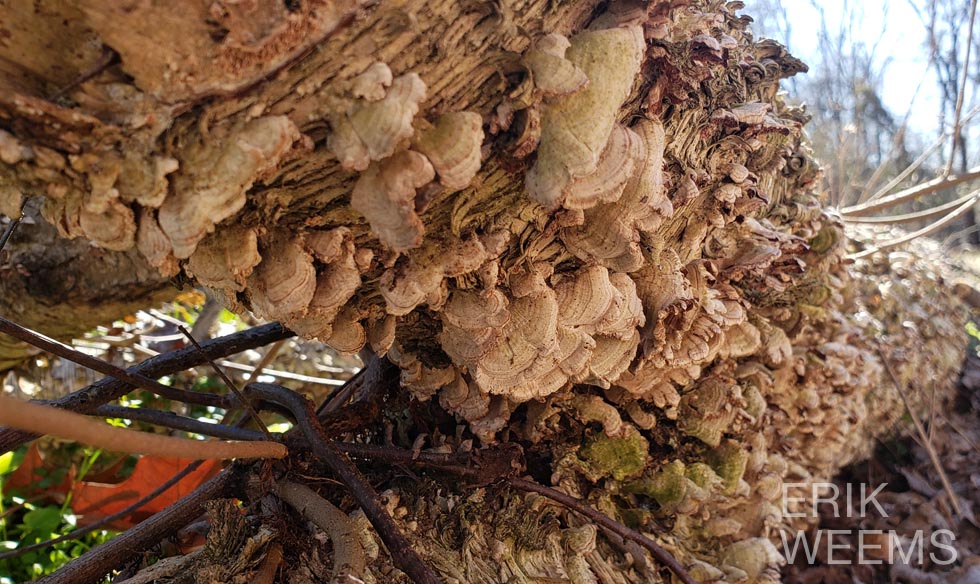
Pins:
x: 892, y: 27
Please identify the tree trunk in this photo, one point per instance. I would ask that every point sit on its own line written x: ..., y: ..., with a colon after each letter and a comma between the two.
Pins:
x: 64, y: 288
x: 586, y: 229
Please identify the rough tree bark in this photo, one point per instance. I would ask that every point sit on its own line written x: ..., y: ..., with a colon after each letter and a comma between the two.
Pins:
x: 584, y: 228
x: 63, y: 288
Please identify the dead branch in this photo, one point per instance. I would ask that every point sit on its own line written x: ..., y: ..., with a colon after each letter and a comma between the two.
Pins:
x: 171, y: 420
x: 105, y: 390
x: 349, y: 559
x: 94, y: 363
x: 33, y: 417
x: 228, y: 383
x: 404, y: 557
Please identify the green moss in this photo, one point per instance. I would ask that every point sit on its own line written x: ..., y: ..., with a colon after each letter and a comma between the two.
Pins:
x: 824, y: 241
x: 703, y: 476
x: 729, y: 461
x: 620, y: 458
x: 635, y: 517
x: 667, y: 486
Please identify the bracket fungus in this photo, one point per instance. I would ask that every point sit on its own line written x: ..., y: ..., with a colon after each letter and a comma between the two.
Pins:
x: 636, y: 246
x: 225, y: 259
x: 154, y: 244
x: 199, y: 201
x: 576, y: 128
x: 453, y: 148
x: 611, y: 233
x: 552, y: 73
x: 385, y: 195
x: 373, y: 129
x: 284, y: 282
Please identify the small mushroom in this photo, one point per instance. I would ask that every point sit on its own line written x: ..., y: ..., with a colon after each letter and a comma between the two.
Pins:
x: 552, y: 73
x: 335, y: 285
x: 381, y: 333
x: 421, y: 279
x: 610, y: 233
x: 622, y: 152
x: 373, y: 83
x: 708, y: 410
x: 465, y: 399
x: 740, y: 340
x: 610, y: 358
x: 145, y: 182
x: 347, y: 334
x: 154, y: 245
x: 584, y: 297
x: 284, y: 282
x: 113, y: 227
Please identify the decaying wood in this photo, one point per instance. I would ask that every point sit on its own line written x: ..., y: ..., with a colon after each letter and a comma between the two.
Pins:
x: 585, y: 228
x: 65, y: 288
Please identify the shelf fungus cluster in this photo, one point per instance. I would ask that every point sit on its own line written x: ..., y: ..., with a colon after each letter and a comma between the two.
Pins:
x: 605, y: 246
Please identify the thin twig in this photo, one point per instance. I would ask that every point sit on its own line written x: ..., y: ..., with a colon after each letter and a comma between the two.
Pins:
x: 14, y: 222
x: 906, y: 172
x: 933, y: 456
x: 253, y: 373
x: 929, y: 187
x: 177, y: 422
x: 94, y: 363
x: 898, y: 140
x: 927, y: 230
x: 34, y: 417
x: 106, y: 390
x: 343, y: 394
x: 267, y: 358
x: 911, y: 217
x: 402, y: 553
x: 961, y: 91
x: 231, y: 384
x: 93, y: 565
x: 108, y: 518
x: 661, y: 555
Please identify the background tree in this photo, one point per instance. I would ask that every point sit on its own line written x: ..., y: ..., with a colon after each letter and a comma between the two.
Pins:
x: 866, y: 152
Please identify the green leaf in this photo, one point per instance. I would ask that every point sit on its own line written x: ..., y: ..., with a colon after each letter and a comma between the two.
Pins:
x: 7, y: 463
x: 43, y: 519
x: 226, y: 316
